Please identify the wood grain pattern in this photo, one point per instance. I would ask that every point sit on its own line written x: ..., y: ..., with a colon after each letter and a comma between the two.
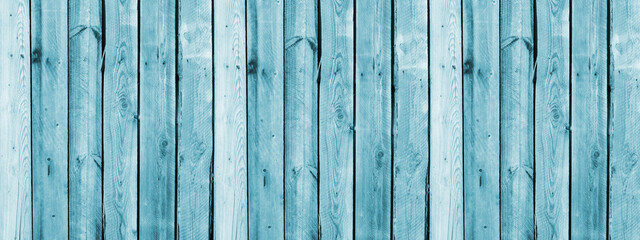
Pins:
x: 230, y: 121
x: 15, y: 121
x: 589, y: 106
x: 446, y: 173
x: 373, y: 120
x: 85, y: 119
x: 624, y: 195
x: 516, y: 119
x: 552, y: 120
x: 301, y: 119
x: 49, y: 109
x: 336, y: 116
x: 481, y: 81
x: 120, y: 123
x: 410, y: 123
x: 195, y: 120
x: 265, y: 99
x: 157, y: 119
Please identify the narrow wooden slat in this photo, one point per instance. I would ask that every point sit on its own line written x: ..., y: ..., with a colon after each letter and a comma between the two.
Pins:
x: 445, y: 173
x: 410, y: 123
x: 301, y: 119
x: 120, y: 122
x: 157, y: 119
x: 15, y: 121
x: 516, y: 119
x: 552, y: 120
x: 49, y: 76
x: 481, y: 81
x: 265, y: 82
x: 230, y: 121
x: 85, y: 119
x: 336, y: 119
x: 195, y: 121
x: 373, y: 119
x: 624, y: 112
x: 589, y: 92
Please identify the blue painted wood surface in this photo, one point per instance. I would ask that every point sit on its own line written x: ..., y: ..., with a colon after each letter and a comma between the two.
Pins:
x: 309, y: 119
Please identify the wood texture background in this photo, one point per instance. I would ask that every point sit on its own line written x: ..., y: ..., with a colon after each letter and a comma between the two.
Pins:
x: 309, y: 119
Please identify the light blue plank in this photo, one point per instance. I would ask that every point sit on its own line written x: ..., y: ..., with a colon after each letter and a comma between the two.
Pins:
x: 120, y: 122
x: 15, y: 121
x: 336, y: 120
x: 445, y: 173
x: 49, y: 114
x: 157, y: 119
x: 373, y: 120
x: 230, y: 121
x: 481, y: 73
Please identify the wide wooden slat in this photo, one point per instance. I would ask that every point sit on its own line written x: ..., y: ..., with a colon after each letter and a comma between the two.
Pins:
x: 336, y: 109
x: 195, y: 120
x: 552, y: 120
x: 49, y: 110
x: 481, y: 73
x: 445, y: 173
x: 230, y: 121
x: 589, y: 106
x: 120, y: 122
x: 85, y: 119
x: 157, y: 119
x: 15, y: 121
x: 373, y: 119
x: 410, y: 123
x: 624, y: 112
x: 265, y: 75
x: 516, y: 119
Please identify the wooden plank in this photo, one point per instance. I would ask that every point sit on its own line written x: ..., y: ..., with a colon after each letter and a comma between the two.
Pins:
x: 336, y: 120
x: 301, y: 119
x: 265, y: 83
x: 15, y: 121
x: 481, y: 89
x: 120, y: 122
x: 195, y: 121
x: 157, y: 119
x: 85, y: 119
x: 624, y: 195
x: 552, y: 120
x: 589, y: 106
x: 373, y: 118
x: 49, y: 68
x: 230, y: 121
x: 410, y: 125
x: 516, y: 119
x: 445, y: 172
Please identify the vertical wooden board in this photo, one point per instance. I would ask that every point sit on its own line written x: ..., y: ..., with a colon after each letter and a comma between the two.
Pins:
x: 336, y: 119
x: 301, y: 119
x: 552, y: 120
x: 410, y: 123
x: 589, y: 92
x: 373, y: 119
x: 15, y: 121
x: 445, y: 173
x: 157, y: 119
x: 230, y: 121
x: 481, y: 81
x: 195, y: 121
x: 624, y: 195
x: 265, y: 82
x: 120, y: 122
x: 49, y: 119
x: 85, y: 119
x: 516, y: 119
